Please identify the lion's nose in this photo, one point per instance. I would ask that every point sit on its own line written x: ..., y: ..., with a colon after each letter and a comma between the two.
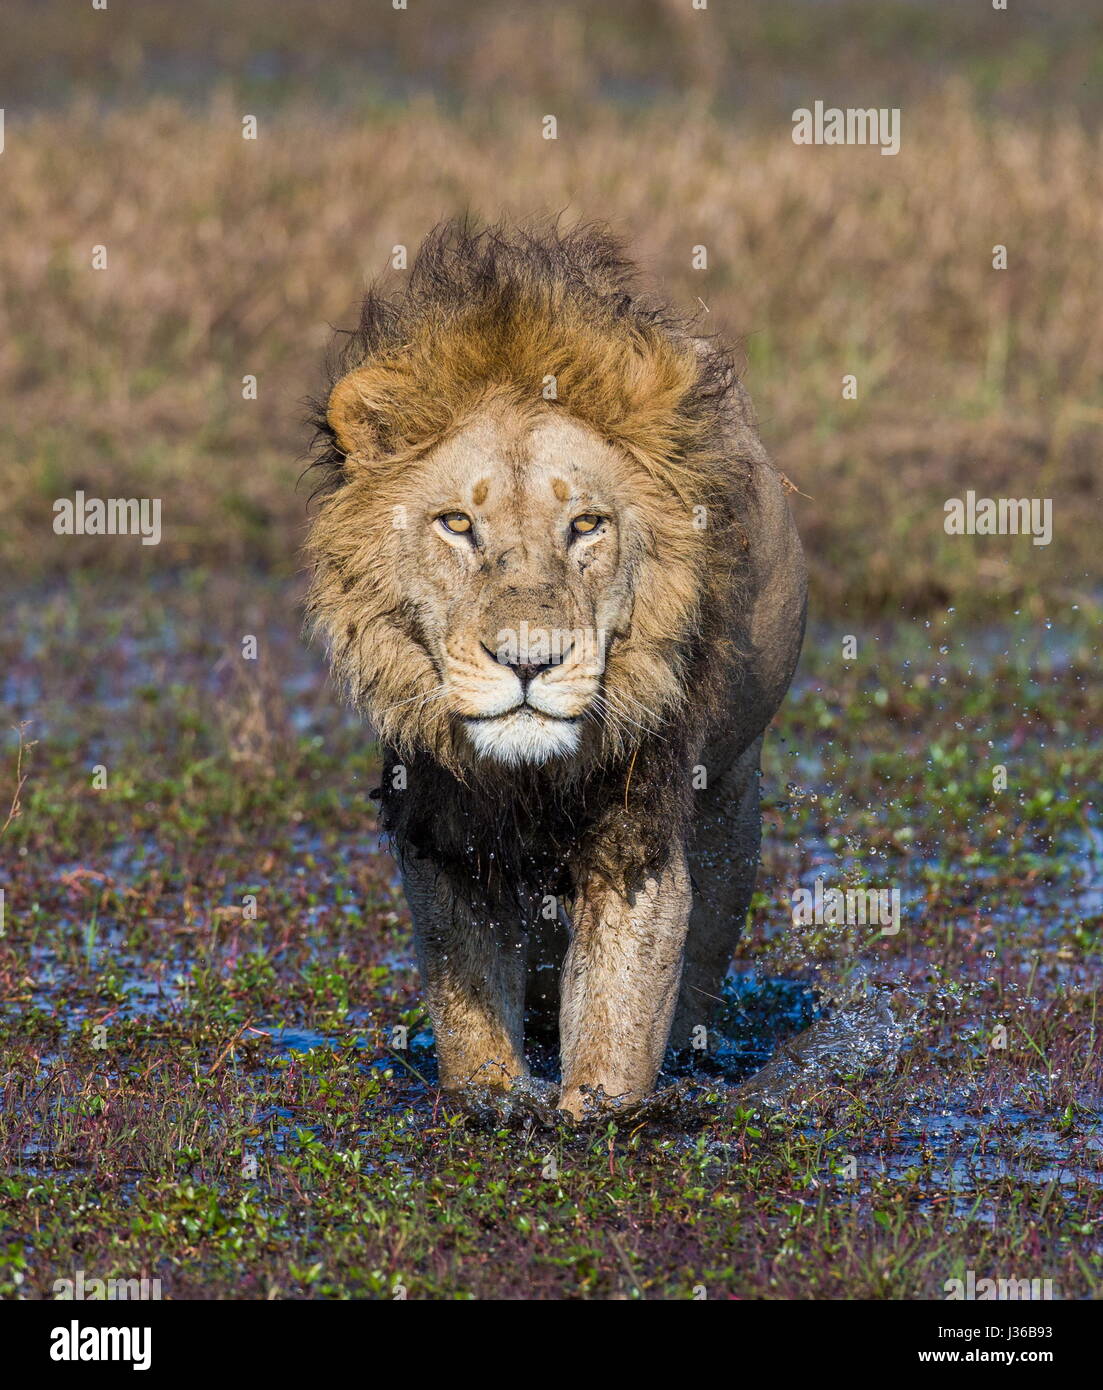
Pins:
x: 525, y: 671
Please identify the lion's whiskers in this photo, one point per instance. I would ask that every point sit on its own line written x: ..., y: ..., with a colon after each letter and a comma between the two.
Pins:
x: 436, y: 693
x: 623, y: 695
x: 606, y: 701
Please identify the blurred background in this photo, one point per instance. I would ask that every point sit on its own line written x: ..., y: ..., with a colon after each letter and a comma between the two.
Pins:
x: 230, y: 257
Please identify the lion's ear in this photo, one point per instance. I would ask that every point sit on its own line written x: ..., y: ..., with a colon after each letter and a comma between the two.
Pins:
x: 357, y: 409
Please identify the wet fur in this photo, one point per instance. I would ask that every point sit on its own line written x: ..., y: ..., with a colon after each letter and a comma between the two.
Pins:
x: 504, y: 310
x: 484, y: 319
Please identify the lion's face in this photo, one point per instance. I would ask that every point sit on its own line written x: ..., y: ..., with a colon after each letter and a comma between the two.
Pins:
x: 518, y: 561
x: 518, y: 593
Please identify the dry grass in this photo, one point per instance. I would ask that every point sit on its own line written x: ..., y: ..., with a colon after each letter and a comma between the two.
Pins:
x: 228, y: 257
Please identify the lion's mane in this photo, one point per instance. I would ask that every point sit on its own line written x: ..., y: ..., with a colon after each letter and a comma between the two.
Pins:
x: 501, y: 311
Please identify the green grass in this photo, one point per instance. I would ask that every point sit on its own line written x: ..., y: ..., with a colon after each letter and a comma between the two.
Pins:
x: 855, y: 1174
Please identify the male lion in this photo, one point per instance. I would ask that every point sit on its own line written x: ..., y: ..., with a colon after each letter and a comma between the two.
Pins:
x: 556, y: 568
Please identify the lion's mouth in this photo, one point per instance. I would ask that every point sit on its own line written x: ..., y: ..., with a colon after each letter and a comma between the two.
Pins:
x: 524, y: 734
x: 523, y: 709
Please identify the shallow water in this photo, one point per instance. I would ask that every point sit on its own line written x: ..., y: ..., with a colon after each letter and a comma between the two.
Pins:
x: 806, y: 1015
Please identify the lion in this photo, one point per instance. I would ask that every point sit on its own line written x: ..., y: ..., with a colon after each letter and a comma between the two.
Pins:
x: 555, y: 568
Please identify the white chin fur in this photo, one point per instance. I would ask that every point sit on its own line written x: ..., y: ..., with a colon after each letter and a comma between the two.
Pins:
x: 523, y: 737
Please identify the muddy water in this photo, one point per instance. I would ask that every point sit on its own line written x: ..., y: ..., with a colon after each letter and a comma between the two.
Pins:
x: 781, y: 1034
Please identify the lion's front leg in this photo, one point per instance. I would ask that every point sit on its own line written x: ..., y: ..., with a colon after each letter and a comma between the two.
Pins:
x: 619, y: 985
x: 473, y: 976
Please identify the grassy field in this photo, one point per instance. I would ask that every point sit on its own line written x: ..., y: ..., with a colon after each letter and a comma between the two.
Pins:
x: 228, y: 258
x: 893, y: 1147
x: 204, y: 954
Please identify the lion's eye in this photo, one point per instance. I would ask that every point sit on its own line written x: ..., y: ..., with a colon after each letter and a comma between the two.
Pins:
x: 583, y: 525
x: 456, y: 522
